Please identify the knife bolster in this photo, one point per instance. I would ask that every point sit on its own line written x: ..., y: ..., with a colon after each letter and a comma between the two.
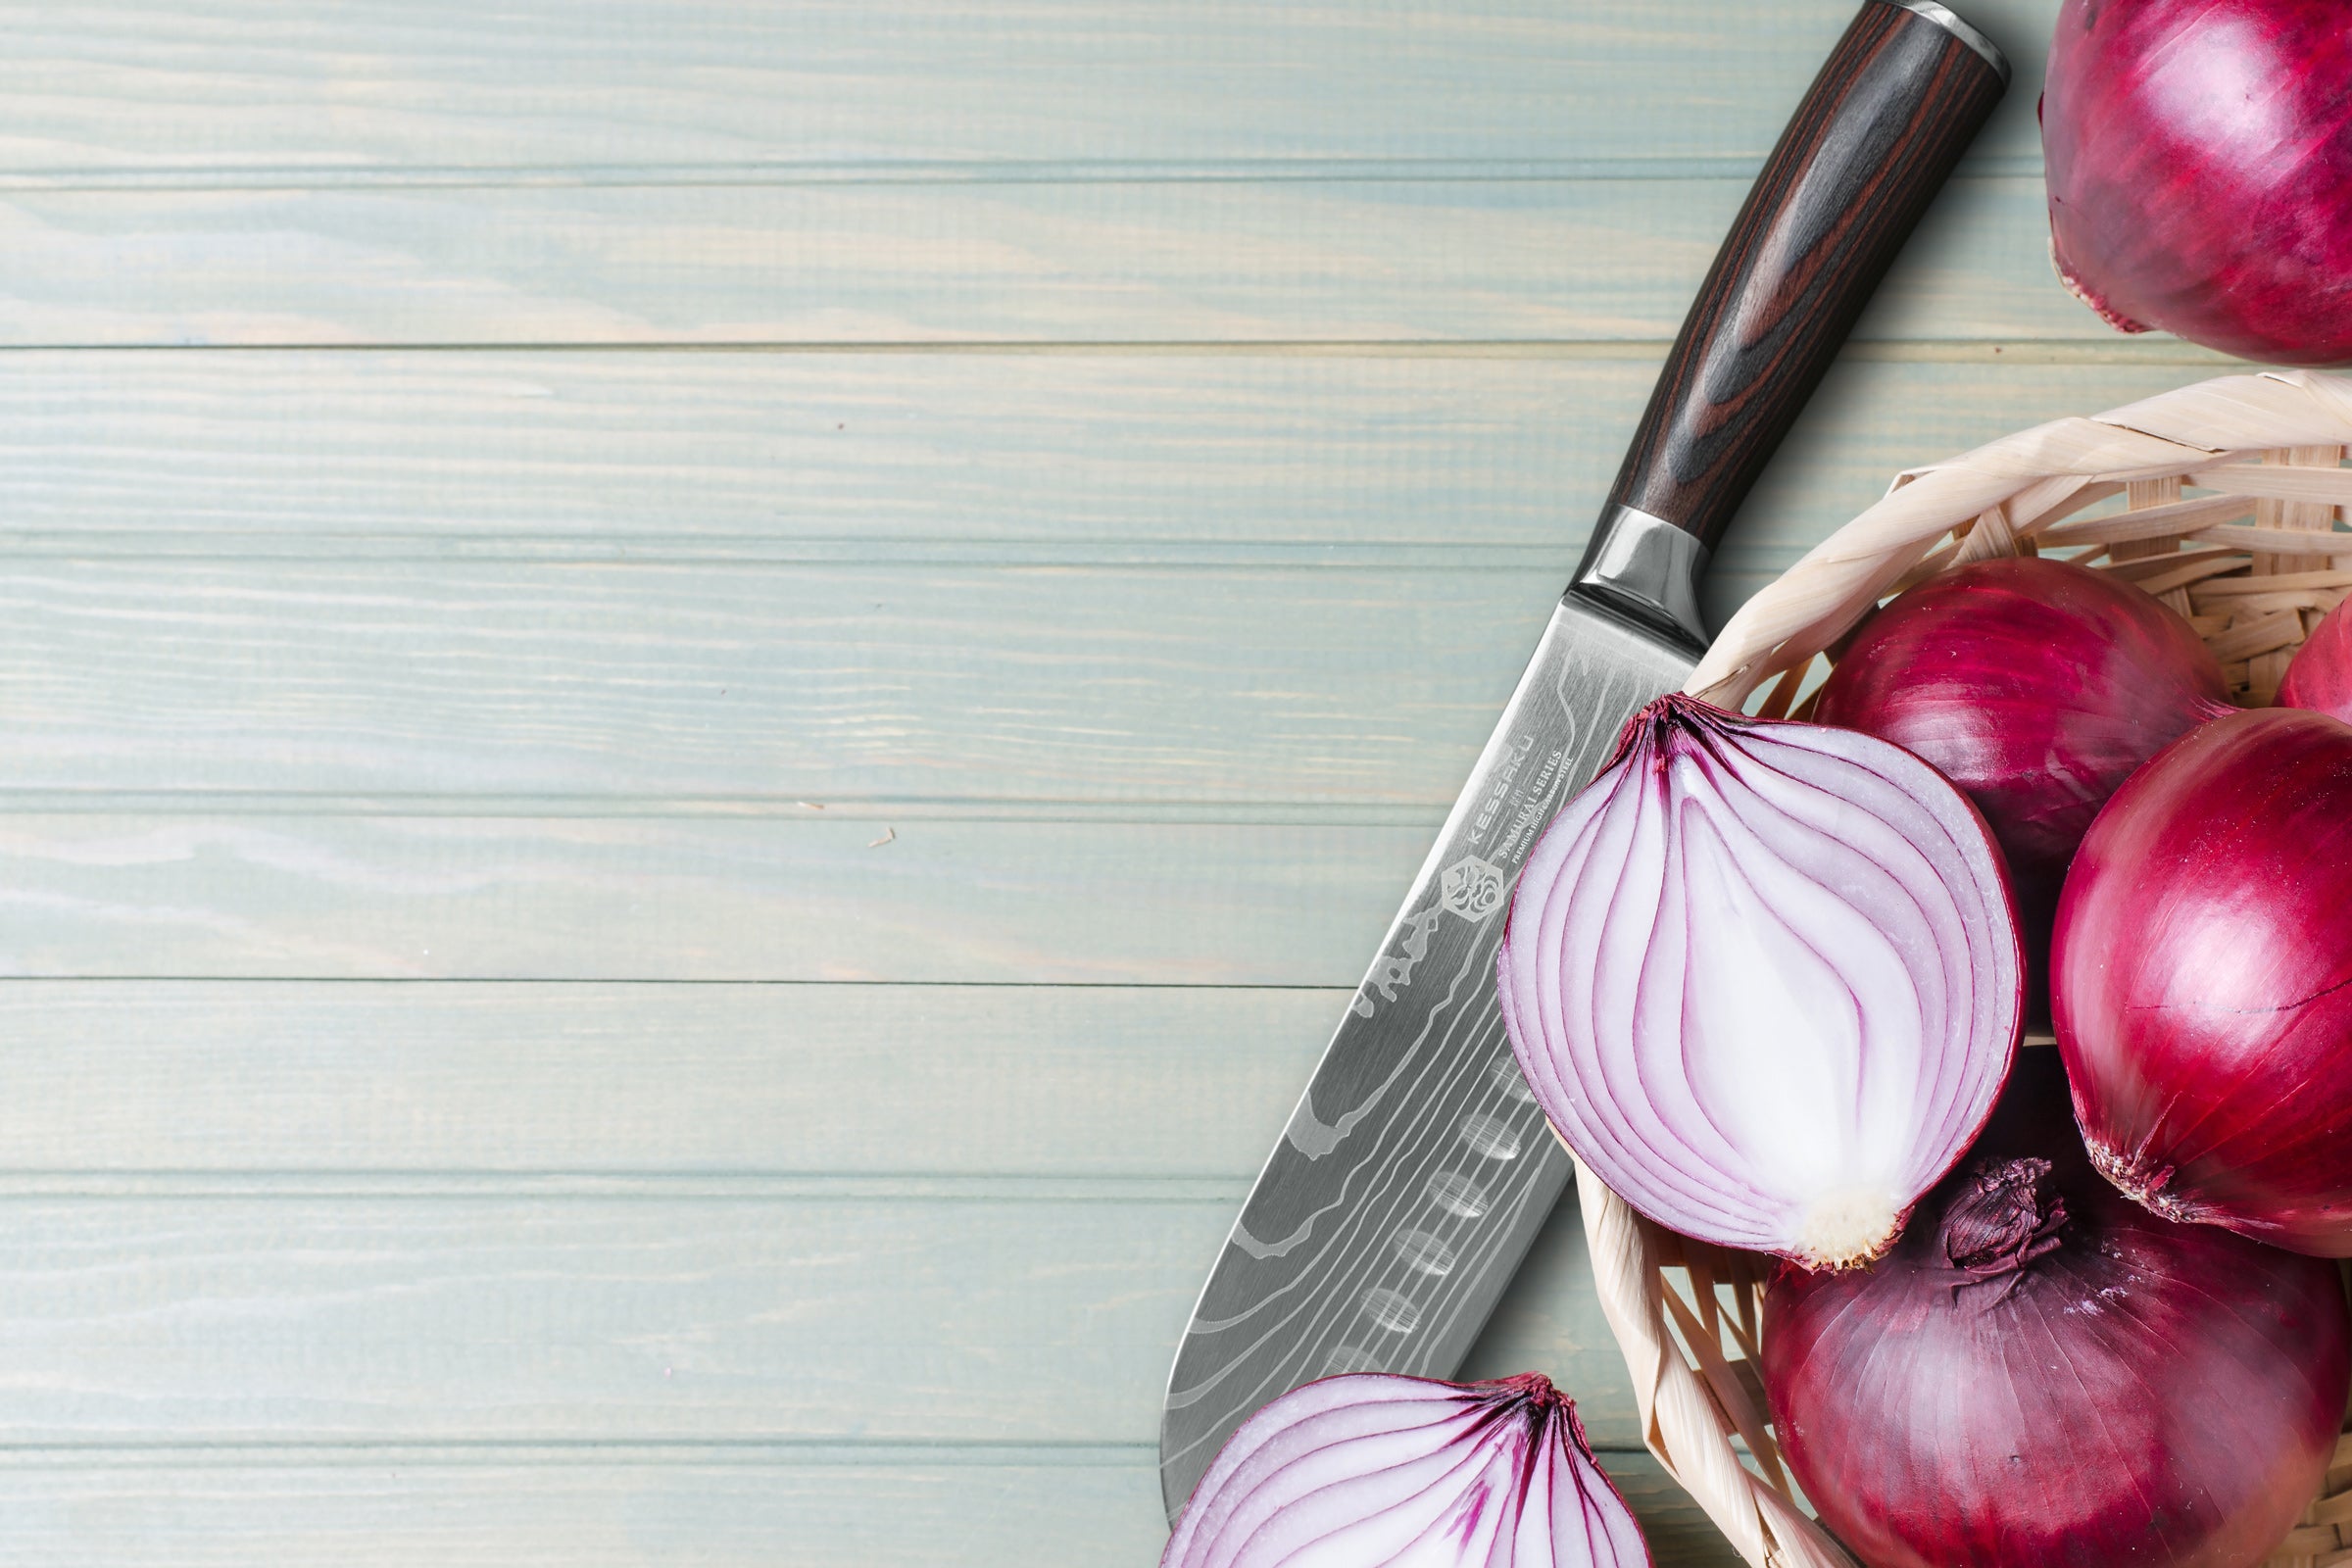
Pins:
x: 1958, y: 27
x: 1646, y: 570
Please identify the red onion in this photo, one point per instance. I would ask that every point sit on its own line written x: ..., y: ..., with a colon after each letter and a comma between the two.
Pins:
x: 2036, y: 686
x: 2201, y: 981
x: 2199, y: 159
x: 2042, y: 1373
x: 1373, y: 1468
x: 2319, y: 676
x: 1764, y: 979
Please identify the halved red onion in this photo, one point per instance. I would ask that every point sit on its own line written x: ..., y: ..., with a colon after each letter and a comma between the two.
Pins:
x: 1765, y: 979
x: 1369, y: 1467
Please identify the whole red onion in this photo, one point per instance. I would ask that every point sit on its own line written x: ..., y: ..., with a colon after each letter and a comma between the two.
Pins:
x: 2199, y: 160
x: 2043, y: 1373
x: 2037, y: 686
x: 2319, y: 676
x: 2201, y: 980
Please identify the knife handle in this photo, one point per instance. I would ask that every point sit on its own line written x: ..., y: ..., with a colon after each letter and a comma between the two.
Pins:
x: 1878, y: 131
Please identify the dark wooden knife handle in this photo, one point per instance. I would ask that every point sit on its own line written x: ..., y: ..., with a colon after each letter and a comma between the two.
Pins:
x: 1878, y: 132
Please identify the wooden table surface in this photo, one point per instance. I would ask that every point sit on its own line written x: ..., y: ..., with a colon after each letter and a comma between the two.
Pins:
x: 706, y: 703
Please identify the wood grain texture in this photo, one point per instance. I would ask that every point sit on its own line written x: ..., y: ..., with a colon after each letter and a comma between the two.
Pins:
x: 494, y: 1320
x: 642, y: 1508
x: 688, y: 1087
x: 468, y: 1319
x: 757, y: 681
x: 825, y: 459
x: 1226, y: 259
x: 846, y: 455
x: 549, y: 890
x: 246, y: 91
x: 767, y: 679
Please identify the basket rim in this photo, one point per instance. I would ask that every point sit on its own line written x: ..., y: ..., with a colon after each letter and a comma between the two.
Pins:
x: 2188, y: 430
x: 1991, y: 499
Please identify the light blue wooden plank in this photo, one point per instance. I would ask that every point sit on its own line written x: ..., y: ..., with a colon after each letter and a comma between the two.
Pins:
x: 291, y: 1319
x: 269, y: 452
x: 685, y: 899
x: 396, y: 1082
x: 775, y: 681
x: 1039, y: 458
x: 285, y: 893
x: 1233, y: 684
x: 1217, y: 261
x: 759, y: 682
x: 472, y: 1319
x: 633, y: 85
x: 298, y: 1508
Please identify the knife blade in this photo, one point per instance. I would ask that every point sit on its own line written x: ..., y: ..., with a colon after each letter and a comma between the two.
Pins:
x: 1416, y: 1168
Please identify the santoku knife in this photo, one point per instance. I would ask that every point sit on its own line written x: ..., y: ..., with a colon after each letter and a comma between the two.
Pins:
x: 1417, y: 1168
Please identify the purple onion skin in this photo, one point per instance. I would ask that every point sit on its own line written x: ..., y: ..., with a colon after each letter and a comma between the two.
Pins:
x: 2319, y: 676
x: 2042, y: 1374
x: 2202, y: 981
x: 2199, y: 163
x: 2036, y: 687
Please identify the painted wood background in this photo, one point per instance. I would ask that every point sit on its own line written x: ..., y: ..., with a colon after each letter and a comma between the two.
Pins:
x: 706, y: 701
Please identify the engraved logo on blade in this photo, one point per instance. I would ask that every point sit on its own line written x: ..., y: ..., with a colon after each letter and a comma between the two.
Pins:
x: 1473, y: 888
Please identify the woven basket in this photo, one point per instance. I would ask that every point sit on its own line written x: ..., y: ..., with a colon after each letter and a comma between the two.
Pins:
x: 2219, y: 500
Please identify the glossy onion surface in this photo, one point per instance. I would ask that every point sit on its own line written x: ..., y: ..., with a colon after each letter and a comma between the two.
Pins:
x: 2198, y: 156
x: 1764, y: 979
x: 2037, y: 686
x: 2201, y: 980
x: 1372, y: 1468
x: 2319, y: 677
x: 2043, y: 1373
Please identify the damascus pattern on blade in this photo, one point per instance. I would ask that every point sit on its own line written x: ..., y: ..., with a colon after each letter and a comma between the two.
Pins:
x: 1418, y: 1167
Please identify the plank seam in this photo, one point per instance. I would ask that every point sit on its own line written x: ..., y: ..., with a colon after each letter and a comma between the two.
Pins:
x: 1305, y: 811
x: 1121, y: 1190
x: 240, y: 1453
x: 2146, y: 351
x: 789, y: 174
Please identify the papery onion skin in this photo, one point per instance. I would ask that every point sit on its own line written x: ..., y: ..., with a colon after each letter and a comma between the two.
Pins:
x: 1764, y: 978
x: 2037, y: 686
x: 2319, y: 676
x: 2198, y: 155
x: 2201, y: 980
x: 2042, y: 1373
x: 1370, y: 1467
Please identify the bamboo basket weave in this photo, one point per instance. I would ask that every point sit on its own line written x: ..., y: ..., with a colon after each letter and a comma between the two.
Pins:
x: 2219, y: 500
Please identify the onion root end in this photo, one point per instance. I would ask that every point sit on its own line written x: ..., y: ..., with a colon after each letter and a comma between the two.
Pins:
x: 1847, y: 1229
x: 2083, y: 292
x: 2143, y: 1181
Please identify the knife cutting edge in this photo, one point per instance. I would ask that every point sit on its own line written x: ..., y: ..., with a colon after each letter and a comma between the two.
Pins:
x: 1417, y: 1168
